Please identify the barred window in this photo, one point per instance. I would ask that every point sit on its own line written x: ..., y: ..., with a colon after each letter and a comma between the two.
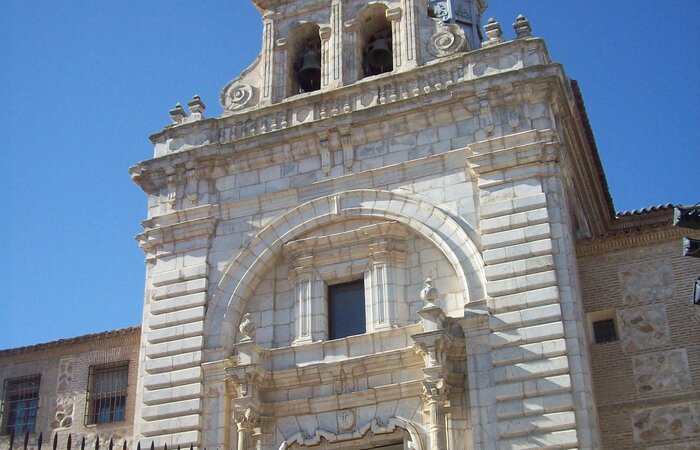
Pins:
x: 604, y: 331
x: 21, y: 401
x: 107, y: 386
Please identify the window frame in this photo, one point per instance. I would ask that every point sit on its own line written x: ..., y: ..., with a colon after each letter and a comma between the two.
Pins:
x: 30, y: 425
x: 93, y: 401
x: 329, y: 288
x: 605, y: 315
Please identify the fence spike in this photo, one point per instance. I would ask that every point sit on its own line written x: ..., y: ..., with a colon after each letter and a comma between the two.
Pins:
x: 111, y: 444
x: 41, y: 441
x: 191, y: 446
x: 178, y: 446
x: 12, y: 437
x: 97, y: 443
x: 55, y: 440
x: 165, y: 446
x: 69, y: 442
x: 26, y: 439
x: 138, y: 445
x: 124, y: 446
x: 153, y: 445
x: 82, y: 443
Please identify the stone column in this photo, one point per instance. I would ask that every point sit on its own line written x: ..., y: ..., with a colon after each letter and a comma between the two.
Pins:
x: 435, y: 395
x: 384, y: 285
x: 246, y: 422
x: 351, y: 71
x: 394, y: 15
x: 280, y: 74
x: 410, y: 37
x: 325, y: 33
x: 336, y: 57
x: 268, y: 61
x: 435, y: 344
x: 310, y: 311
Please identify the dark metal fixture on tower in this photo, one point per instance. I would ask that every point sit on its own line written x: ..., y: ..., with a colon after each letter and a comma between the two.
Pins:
x: 309, y: 73
x: 379, y: 58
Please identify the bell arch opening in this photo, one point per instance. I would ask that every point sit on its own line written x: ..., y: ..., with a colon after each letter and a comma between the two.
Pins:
x: 304, y: 68
x: 375, y: 41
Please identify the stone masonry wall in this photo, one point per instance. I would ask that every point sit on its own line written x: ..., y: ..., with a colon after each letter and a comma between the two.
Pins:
x: 63, y: 388
x: 647, y: 383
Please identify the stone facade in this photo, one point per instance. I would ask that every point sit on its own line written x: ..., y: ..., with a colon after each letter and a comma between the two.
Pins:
x: 462, y: 190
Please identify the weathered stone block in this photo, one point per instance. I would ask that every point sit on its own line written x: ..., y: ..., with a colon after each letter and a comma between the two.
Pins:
x: 644, y: 328
x: 662, y: 370
x: 667, y: 422
x: 646, y: 281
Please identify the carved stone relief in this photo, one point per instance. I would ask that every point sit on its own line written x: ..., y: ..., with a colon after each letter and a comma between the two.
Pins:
x: 238, y: 96
x: 447, y: 40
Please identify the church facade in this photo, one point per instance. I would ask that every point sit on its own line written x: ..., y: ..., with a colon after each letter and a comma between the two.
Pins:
x: 397, y: 235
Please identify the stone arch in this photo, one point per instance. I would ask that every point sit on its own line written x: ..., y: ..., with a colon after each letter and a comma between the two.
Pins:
x: 244, y: 271
x: 373, y: 426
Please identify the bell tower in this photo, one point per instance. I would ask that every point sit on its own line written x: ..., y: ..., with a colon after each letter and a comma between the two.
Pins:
x: 314, y: 45
x: 373, y: 246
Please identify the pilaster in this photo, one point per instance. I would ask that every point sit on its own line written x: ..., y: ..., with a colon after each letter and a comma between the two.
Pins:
x: 533, y: 360
x: 171, y: 392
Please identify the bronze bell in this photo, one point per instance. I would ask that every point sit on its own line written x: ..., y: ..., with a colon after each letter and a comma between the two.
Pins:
x: 309, y: 75
x: 379, y: 56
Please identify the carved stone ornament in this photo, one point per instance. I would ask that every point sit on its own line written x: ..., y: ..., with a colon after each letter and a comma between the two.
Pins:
x: 247, y: 328
x: 435, y: 391
x: 440, y: 9
x: 346, y: 419
x: 246, y: 419
x: 447, y: 40
x: 429, y: 293
x: 238, y: 96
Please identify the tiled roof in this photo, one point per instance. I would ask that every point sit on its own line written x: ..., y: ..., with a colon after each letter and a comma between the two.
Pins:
x: 666, y: 207
x: 71, y: 341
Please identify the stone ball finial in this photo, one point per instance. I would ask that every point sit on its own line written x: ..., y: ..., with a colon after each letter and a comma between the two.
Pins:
x: 522, y: 27
x: 247, y: 328
x: 429, y: 293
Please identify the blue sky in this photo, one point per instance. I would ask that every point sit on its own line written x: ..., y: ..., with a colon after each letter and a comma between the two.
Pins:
x: 84, y: 83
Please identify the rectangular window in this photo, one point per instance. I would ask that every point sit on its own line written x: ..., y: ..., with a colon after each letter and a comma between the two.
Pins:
x: 346, y: 309
x: 107, y: 387
x: 604, y: 331
x: 21, y: 402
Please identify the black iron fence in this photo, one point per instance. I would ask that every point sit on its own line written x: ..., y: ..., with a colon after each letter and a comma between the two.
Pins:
x: 27, y: 442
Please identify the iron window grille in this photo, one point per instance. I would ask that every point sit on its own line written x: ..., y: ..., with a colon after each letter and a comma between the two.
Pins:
x: 106, y: 397
x: 20, y: 404
x: 604, y: 331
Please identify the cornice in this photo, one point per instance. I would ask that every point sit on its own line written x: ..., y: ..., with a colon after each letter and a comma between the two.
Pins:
x: 156, y: 237
x: 131, y: 335
x: 367, y: 94
x: 632, y: 237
